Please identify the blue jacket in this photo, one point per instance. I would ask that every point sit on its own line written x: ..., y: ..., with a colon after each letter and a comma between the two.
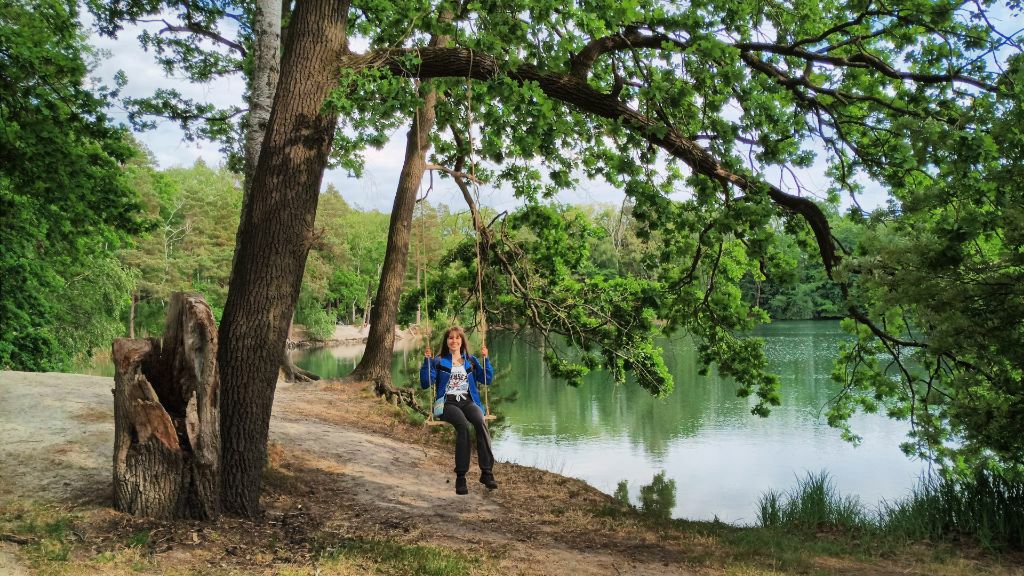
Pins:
x: 436, y: 371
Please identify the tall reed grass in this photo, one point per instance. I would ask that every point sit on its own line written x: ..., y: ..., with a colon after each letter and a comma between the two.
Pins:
x: 813, y: 504
x: 987, y: 508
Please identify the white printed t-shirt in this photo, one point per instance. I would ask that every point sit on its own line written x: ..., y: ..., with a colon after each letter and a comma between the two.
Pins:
x: 458, y: 384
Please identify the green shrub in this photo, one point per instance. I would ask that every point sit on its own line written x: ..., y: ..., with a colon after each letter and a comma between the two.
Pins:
x: 622, y: 493
x: 319, y: 323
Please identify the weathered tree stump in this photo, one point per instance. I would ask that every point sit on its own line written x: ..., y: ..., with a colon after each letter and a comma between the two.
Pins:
x: 167, y: 417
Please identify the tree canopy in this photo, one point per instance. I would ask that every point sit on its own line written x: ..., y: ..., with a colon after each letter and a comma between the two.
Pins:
x: 917, y: 97
x: 65, y: 203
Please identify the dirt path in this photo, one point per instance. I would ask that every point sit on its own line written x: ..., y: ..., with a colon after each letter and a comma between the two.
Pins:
x: 347, y: 465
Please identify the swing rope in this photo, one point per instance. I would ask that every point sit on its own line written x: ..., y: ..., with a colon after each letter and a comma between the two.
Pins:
x: 478, y: 226
x: 425, y: 335
x: 483, y: 316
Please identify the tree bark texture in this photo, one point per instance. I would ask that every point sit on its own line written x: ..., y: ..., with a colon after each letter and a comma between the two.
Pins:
x: 167, y: 417
x: 375, y: 364
x: 274, y: 237
x: 266, y: 69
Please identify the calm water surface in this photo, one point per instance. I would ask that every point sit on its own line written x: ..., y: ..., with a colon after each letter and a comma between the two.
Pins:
x: 721, y: 457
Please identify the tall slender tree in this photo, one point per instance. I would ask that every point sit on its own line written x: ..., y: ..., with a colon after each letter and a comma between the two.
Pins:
x: 375, y: 364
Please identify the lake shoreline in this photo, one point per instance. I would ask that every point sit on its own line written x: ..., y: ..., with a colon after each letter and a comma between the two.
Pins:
x: 703, y: 436
x: 350, y: 476
x: 346, y: 335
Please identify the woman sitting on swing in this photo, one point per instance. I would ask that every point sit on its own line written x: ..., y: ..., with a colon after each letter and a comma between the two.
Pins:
x: 456, y: 373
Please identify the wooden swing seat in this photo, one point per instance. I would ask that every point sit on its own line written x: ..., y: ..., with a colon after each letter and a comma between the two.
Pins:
x: 431, y: 422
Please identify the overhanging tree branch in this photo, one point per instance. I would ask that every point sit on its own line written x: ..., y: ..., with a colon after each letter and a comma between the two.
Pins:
x: 193, y: 29
x: 631, y: 38
x: 453, y: 172
x: 575, y: 91
x: 865, y: 60
x: 465, y: 63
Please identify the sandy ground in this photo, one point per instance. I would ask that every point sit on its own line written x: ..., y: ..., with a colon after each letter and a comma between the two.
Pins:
x: 355, y: 335
x: 342, y: 464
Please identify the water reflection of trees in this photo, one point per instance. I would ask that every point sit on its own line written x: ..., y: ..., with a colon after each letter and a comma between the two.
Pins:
x: 800, y: 352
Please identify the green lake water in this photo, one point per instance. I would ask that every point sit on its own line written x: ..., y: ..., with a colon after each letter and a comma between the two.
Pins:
x: 703, y: 436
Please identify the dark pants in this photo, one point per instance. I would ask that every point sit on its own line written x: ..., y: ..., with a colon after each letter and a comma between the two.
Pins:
x: 461, y: 414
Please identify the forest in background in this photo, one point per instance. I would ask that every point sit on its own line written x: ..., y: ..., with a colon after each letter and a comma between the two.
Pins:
x: 190, y: 216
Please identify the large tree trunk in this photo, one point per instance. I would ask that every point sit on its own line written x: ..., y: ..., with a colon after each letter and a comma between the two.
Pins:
x: 266, y: 70
x: 273, y: 240
x: 166, y: 417
x: 375, y: 364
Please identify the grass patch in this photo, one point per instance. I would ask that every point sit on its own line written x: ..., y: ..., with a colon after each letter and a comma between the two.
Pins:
x: 986, y: 508
x: 138, y: 539
x: 814, y: 504
x: 389, y: 557
x: 812, y: 528
x: 49, y: 529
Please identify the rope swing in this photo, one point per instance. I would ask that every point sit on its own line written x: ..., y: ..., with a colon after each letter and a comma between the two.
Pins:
x: 425, y: 336
x: 481, y: 313
x: 482, y: 321
x: 482, y: 318
x: 474, y: 202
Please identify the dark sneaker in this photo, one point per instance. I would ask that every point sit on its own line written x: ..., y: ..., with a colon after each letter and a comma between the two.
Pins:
x: 460, y: 486
x: 487, y: 479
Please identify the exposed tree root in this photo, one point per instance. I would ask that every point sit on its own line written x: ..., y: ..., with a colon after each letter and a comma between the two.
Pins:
x: 294, y: 374
x: 396, y: 396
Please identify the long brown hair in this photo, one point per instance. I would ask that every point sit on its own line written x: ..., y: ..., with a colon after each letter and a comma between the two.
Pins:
x: 444, y: 341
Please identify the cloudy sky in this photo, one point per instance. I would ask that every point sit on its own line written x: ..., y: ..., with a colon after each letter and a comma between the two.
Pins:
x: 375, y: 189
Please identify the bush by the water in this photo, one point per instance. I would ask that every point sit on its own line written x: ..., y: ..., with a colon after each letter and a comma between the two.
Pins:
x: 985, y: 507
x: 319, y: 323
